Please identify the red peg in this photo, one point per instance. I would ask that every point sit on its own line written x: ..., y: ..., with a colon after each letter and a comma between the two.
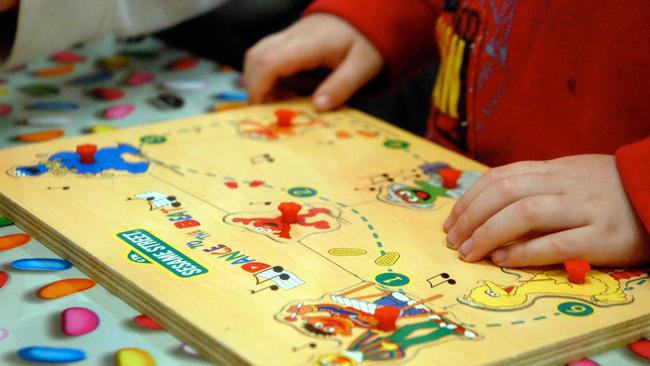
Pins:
x: 284, y: 117
x: 87, y: 153
x: 387, y: 317
x: 289, y: 212
x: 449, y: 177
x: 577, y: 269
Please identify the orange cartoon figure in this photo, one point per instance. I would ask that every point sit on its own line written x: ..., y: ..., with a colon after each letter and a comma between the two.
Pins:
x: 288, y: 123
x: 313, y: 220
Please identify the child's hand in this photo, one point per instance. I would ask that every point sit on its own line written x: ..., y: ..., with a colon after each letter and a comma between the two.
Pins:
x: 537, y: 213
x: 314, y: 41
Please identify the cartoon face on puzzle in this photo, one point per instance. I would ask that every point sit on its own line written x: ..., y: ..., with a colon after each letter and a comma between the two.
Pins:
x: 311, y: 220
x: 601, y: 288
x: 156, y: 200
x: 372, y: 323
x: 108, y: 162
x: 423, y: 193
x: 300, y: 122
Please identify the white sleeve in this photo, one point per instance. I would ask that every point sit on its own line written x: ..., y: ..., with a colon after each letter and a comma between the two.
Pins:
x: 48, y: 26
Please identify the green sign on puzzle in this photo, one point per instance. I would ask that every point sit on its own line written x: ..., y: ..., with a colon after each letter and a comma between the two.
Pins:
x: 162, y: 253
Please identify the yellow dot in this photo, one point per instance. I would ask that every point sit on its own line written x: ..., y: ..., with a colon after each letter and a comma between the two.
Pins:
x: 134, y: 357
x: 102, y: 128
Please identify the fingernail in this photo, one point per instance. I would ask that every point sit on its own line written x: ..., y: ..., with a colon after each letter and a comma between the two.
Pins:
x: 452, y: 238
x: 322, y: 101
x: 499, y: 256
x: 466, y: 248
x: 447, y: 224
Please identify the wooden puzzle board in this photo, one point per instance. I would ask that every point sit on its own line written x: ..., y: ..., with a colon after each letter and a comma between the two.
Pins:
x: 180, y: 220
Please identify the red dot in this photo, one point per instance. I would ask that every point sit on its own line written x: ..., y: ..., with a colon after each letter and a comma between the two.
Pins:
x: 146, y: 322
x: 641, y: 348
x: 4, y: 278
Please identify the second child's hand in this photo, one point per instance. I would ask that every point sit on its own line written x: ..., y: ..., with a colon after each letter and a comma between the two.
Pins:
x: 318, y: 40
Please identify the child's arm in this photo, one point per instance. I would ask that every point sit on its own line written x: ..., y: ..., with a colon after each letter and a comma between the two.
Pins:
x: 545, y: 212
x: 45, y: 27
x: 355, y: 39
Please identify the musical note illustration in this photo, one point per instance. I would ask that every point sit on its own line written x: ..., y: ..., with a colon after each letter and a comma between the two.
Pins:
x: 65, y: 188
x: 282, y: 279
x: 445, y: 279
x: 266, y: 203
x: 310, y: 345
x: 263, y: 158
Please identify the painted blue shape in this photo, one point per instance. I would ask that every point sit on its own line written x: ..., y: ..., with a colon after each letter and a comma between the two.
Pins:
x: 106, y: 158
x: 391, y: 300
x: 51, y: 354
x: 237, y: 95
x: 41, y: 264
x: 33, y: 170
x: 54, y: 106
x: 92, y: 78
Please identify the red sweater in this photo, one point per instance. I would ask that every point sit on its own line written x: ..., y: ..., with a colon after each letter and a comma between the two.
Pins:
x: 522, y: 80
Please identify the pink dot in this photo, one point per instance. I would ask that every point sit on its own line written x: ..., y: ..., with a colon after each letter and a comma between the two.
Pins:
x: 583, y: 362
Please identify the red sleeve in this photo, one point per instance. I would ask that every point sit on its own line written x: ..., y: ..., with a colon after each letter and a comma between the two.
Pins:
x: 633, y: 163
x: 402, y: 30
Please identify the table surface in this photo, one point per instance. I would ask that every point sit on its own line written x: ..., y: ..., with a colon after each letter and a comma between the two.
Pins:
x: 31, y: 321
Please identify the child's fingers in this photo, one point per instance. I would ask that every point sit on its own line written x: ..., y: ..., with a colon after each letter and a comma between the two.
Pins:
x: 360, y: 65
x: 488, y: 178
x: 548, y: 249
x: 532, y: 214
x: 274, y: 59
x: 494, y: 198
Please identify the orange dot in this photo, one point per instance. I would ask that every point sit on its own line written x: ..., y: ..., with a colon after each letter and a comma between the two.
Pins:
x: 41, y: 136
x: 13, y: 240
x: 368, y: 133
x: 343, y: 134
x: 55, y: 71
x: 229, y: 106
x: 64, y: 287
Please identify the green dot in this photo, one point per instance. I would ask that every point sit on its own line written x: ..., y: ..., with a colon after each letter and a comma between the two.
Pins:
x: 396, y: 144
x: 40, y: 90
x: 153, y: 139
x: 573, y: 308
x: 393, y: 279
x: 5, y: 221
x: 302, y: 192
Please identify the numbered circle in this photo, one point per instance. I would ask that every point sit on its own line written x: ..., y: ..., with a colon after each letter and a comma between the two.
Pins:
x: 575, y: 308
x: 153, y: 139
x: 302, y: 192
x: 393, y: 279
x: 396, y: 144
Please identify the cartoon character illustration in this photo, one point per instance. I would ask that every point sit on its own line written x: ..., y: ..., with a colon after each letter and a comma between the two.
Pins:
x: 316, y: 219
x: 273, y: 131
x: 156, y: 200
x: 600, y: 288
x: 426, y: 186
x: 378, y: 346
x: 345, y: 313
x: 107, y: 161
x: 392, y: 323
